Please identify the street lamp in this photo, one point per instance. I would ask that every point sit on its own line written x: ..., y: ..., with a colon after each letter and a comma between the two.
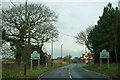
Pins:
x: 25, y: 34
x: 61, y: 53
x: 52, y: 51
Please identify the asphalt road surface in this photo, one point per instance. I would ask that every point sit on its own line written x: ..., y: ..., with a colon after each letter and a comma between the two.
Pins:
x: 72, y: 72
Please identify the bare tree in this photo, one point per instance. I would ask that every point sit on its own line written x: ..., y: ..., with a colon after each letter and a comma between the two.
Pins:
x: 82, y: 36
x: 43, y: 33
x: 13, y: 25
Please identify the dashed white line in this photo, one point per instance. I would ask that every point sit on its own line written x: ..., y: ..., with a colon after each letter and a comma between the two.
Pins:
x: 69, y: 72
x: 70, y: 77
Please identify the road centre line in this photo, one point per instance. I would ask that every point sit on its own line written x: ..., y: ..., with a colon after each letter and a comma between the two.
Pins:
x: 70, y: 77
x: 70, y: 74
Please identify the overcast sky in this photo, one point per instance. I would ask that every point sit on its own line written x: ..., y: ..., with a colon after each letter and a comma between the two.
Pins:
x: 73, y: 17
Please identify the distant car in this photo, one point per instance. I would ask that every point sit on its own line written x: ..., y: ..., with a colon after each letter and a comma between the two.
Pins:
x: 86, y: 63
x: 75, y: 62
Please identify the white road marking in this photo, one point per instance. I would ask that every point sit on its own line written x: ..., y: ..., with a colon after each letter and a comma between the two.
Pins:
x: 70, y: 77
x: 69, y: 72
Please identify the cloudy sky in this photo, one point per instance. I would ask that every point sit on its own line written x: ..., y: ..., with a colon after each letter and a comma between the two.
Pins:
x: 73, y: 17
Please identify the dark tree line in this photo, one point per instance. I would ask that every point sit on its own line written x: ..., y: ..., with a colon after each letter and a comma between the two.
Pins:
x: 106, y: 34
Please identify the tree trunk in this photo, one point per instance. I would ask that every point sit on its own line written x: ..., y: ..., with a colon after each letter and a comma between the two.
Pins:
x: 29, y: 49
x: 116, y: 58
x: 18, y: 58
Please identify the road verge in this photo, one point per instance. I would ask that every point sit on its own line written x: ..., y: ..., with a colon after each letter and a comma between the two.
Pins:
x: 111, y: 73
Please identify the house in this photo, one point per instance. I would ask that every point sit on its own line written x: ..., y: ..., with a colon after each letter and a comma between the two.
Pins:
x: 7, y: 60
x: 57, y: 60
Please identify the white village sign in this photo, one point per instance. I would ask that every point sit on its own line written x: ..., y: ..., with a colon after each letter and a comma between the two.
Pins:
x: 104, y: 54
x: 35, y: 56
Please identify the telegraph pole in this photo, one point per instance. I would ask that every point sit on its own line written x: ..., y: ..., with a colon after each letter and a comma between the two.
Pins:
x: 69, y: 57
x: 61, y: 53
x: 24, y: 34
x: 52, y: 51
x: 29, y: 50
x: 25, y: 39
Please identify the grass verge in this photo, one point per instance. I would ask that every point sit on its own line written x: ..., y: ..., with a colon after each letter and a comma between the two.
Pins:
x: 13, y: 74
x: 113, y: 71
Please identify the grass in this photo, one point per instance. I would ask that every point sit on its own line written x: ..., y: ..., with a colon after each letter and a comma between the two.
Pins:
x: 113, y: 71
x: 18, y: 72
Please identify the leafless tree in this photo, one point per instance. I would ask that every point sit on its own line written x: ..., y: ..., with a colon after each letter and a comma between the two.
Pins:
x: 82, y: 36
x: 14, y: 30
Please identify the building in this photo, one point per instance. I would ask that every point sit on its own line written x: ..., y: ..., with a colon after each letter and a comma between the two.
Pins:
x: 7, y: 60
x: 57, y: 60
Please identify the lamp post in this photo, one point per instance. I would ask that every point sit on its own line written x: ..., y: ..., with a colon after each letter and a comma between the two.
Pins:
x: 25, y: 34
x: 69, y: 57
x: 52, y: 51
x: 61, y: 53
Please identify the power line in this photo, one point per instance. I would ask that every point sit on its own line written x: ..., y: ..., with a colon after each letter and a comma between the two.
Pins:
x: 66, y: 34
x: 12, y: 3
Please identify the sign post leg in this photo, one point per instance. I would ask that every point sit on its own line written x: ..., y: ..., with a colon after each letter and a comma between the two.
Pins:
x: 46, y: 64
x: 31, y: 64
x: 108, y: 63
x: 101, y: 64
x: 38, y: 64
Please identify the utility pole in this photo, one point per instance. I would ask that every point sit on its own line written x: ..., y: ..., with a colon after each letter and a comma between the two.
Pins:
x: 119, y: 5
x: 24, y: 34
x: 29, y: 50
x: 69, y: 57
x: 61, y: 53
x: 86, y: 54
x: 25, y: 39
x: 52, y: 51
x: 82, y: 53
x: 80, y: 57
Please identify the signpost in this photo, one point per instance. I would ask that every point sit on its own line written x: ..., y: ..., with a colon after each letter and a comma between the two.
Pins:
x: 49, y: 56
x: 46, y: 60
x: 35, y: 56
x: 104, y: 54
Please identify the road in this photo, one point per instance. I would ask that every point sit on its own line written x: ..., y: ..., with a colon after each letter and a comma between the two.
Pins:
x: 72, y: 72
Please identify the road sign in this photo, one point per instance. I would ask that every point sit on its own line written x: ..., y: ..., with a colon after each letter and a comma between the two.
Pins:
x: 49, y: 56
x: 89, y: 54
x: 35, y: 55
x: 46, y: 54
x: 104, y: 54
